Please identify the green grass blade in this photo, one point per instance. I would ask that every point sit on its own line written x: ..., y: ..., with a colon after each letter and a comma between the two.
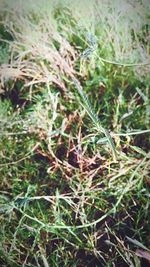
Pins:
x: 89, y: 109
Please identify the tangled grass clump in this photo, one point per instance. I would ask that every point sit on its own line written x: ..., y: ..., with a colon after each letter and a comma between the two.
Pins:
x: 74, y: 128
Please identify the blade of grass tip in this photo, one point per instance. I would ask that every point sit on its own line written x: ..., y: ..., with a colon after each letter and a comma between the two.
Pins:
x: 137, y: 243
x: 136, y: 132
x: 88, y: 107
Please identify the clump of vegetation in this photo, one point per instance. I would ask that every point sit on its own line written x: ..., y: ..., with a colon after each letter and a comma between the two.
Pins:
x: 74, y: 147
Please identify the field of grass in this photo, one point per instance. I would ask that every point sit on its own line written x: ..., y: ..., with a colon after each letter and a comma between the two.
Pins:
x: 74, y: 133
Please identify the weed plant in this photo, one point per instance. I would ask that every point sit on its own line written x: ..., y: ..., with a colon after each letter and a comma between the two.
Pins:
x: 74, y: 133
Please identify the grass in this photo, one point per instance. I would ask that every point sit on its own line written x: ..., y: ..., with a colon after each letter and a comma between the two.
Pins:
x: 74, y: 147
